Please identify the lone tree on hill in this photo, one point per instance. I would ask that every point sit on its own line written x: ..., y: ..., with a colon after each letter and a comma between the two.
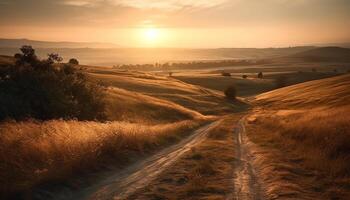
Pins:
x: 73, y: 61
x: 231, y: 92
x: 54, y: 58
x: 27, y: 56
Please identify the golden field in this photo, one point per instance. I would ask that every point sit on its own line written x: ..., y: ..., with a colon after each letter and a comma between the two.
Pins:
x: 308, y: 126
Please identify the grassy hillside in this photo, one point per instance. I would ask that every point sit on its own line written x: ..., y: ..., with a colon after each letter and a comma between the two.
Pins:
x: 197, y: 98
x: 145, y: 113
x: 252, y: 85
x: 38, y: 154
x: 309, y: 125
x: 329, y: 92
x: 245, y: 87
x: 123, y: 105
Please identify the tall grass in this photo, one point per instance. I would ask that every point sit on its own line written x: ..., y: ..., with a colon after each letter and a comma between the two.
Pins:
x: 321, y: 136
x: 34, y: 153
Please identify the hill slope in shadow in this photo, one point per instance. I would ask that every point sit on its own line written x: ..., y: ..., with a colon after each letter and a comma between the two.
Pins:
x: 325, y: 54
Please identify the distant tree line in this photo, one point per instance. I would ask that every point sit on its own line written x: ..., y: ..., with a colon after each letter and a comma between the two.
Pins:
x: 47, y: 89
x: 190, y: 65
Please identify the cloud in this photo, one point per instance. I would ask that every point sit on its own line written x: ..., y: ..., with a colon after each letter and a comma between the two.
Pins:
x: 170, y: 4
x: 150, y: 4
x: 79, y: 3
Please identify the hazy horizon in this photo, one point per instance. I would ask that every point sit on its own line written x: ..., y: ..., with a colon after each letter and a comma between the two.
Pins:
x: 179, y: 24
x: 112, y: 45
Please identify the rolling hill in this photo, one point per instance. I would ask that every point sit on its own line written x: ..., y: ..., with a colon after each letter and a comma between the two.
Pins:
x: 329, y: 92
x: 306, y: 129
x: 337, y: 54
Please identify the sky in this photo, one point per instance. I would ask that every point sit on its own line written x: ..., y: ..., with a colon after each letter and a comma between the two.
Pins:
x: 179, y: 23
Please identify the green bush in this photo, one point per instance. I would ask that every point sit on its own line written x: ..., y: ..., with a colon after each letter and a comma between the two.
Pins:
x: 42, y: 89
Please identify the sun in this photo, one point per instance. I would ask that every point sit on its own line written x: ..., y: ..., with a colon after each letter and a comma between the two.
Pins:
x: 151, y: 34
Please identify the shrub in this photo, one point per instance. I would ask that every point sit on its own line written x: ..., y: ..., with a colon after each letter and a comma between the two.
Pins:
x: 74, y: 61
x: 44, y: 90
x: 225, y: 74
x: 230, y: 92
x: 54, y: 57
x: 260, y: 75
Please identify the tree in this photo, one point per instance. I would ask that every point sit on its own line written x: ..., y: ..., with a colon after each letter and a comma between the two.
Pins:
x: 54, y: 58
x: 244, y: 76
x: 230, y: 92
x: 260, y: 75
x: 74, y: 61
x: 27, y: 56
x: 27, y: 51
x: 39, y: 89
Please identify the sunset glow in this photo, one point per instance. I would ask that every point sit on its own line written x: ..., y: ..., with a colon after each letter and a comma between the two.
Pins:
x: 179, y: 23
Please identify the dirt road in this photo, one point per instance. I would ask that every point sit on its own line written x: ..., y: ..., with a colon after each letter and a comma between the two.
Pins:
x: 124, y: 183
x: 246, y: 184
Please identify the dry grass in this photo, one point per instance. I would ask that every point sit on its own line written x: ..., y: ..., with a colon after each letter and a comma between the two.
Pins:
x: 145, y: 85
x: 128, y: 106
x: 34, y: 153
x: 141, y: 82
x: 329, y: 92
x: 322, y: 136
x: 310, y: 124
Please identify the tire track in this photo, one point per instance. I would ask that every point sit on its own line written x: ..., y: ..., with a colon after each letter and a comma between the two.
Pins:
x: 126, y: 182
x: 246, y: 182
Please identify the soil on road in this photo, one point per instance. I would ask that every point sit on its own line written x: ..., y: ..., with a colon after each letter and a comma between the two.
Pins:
x: 124, y: 183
